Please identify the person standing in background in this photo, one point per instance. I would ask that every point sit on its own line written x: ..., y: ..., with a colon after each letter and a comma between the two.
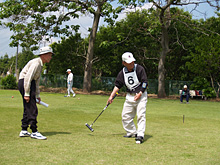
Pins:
x: 70, y: 83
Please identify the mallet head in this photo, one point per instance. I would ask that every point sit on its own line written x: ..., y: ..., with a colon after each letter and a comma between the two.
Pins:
x: 87, y: 125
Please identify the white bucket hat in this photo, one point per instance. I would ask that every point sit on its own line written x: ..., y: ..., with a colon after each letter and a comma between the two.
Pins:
x: 128, y: 57
x: 68, y: 70
x: 45, y: 50
x: 185, y: 86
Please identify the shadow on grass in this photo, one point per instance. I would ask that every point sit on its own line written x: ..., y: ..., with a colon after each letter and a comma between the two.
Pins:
x: 121, y: 134
x: 146, y: 137
x: 54, y: 133
x: 90, y: 134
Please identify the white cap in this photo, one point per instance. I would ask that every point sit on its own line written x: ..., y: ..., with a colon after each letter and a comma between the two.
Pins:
x: 128, y: 57
x: 185, y: 86
x: 45, y: 50
x: 68, y: 70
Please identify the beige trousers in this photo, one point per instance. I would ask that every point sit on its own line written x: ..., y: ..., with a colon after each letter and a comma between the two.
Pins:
x: 130, y: 109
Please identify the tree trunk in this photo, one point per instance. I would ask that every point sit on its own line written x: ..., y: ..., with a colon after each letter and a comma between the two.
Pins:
x: 213, y: 86
x: 161, y: 76
x: 87, y: 81
x: 165, y: 23
x: 161, y: 66
x: 218, y: 90
x: 16, y: 66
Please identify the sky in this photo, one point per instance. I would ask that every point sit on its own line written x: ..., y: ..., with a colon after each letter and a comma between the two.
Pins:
x: 85, y: 22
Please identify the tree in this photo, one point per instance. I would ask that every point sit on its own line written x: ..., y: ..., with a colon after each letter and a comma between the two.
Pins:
x: 205, y: 59
x: 7, y: 64
x: 165, y: 18
x: 181, y: 43
x: 69, y: 54
x: 126, y: 35
x: 102, y: 8
x: 24, y: 57
x: 34, y: 19
x: 140, y: 33
x: 4, y: 64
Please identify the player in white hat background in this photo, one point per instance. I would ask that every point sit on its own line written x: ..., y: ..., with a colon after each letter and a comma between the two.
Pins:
x: 133, y: 76
x: 185, y: 94
x: 28, y: 85
x: 70, y: 83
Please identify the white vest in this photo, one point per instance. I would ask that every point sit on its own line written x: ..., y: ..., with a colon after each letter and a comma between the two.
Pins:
x: 131, y: 80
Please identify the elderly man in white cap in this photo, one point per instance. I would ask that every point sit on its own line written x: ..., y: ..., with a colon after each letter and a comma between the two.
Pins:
x: 185, y: 93
x: 28, y: 85
x: 70, y: 83
x: 133, y: 76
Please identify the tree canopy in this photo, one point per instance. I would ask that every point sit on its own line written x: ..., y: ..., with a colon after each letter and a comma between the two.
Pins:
x: 164, y: 39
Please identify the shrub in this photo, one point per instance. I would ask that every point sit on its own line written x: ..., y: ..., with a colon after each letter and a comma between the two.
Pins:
x: 97, y: 84
x: 9, y: 82
x: 209, y: 92
x: 201, y: 83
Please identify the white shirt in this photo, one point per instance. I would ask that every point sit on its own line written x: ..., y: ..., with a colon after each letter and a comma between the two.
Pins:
x: 70, y: 78
x: 32, y: 71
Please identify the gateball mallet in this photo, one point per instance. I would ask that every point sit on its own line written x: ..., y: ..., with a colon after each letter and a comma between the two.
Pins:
x: 42, y: 103
x: 90, y: 126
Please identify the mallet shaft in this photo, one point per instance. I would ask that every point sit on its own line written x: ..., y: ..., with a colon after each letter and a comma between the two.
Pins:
x: 90, y: 126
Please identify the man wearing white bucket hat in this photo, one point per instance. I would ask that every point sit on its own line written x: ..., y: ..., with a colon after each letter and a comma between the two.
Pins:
x: 133, y: 76
x: 70, y: 83
x: 28, y: 85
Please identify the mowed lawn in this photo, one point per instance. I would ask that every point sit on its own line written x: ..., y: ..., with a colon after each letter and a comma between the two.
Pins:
x: 168, y: 140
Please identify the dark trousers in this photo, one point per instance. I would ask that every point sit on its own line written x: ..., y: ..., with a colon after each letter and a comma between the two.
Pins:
x: 184, y: 96
x: 30, y: 108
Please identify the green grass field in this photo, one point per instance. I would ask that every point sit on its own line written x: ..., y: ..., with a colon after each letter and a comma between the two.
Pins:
x: 167, y: 139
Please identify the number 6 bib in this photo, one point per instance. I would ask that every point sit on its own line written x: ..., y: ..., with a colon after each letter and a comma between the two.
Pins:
x: 131, y: 80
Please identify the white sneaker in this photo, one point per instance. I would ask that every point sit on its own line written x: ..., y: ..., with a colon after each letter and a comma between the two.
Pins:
x: 139, y: 139
x: 37, y: 135
x: 24, y: 134
x: 68, y: 95
x: 74, y: 94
